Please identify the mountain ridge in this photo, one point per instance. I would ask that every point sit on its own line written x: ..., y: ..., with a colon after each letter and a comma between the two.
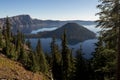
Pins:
x: 26, y: 24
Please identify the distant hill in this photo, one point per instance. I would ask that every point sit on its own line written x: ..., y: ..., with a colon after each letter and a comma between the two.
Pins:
x: 26, y: 24
x: 12, y: 70
x: 75, y: 33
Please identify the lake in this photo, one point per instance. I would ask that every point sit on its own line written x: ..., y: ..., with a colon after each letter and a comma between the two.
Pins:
x: 90, y: 27
x: 43, y: 29
x: 88, y: 46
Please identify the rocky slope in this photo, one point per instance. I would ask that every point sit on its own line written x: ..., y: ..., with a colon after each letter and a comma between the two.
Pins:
x: 11, y: 70
x: 26, y: 24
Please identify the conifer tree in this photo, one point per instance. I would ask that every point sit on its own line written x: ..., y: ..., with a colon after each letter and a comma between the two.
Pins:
x: 81, y: 66
x: 110, y: 20
x: 8, y: 29
x: 33, y: 63
x: 18, y: 42
x: 72, y: 65
x: 28, y: 43
x: 1, y: 40
x: 7, y: 34
x: 12, y: 53
x: 66, y: 63
x: 103, y: 61
x: 43, y: 66
x: 56, y: 61
x: 23, y: 56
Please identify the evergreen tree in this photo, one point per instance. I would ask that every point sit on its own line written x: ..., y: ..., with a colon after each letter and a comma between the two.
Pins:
x: 103, y: 61
x: 66, y: 63
x: 43, y: 66
x: 72, y: 66
x: 7, y: 34
x: 18, y: 42
x: 1, y: 38
x: 23, y: 56
x: 110, y: 20
x: 33, y: 63
x: 28, y: 43
x: 8, y: 29
x: 12, y: 53
x: 81, y: 67
x: 56, y: 61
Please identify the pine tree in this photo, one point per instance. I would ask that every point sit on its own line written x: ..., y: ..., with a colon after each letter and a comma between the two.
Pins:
x: 66, y: 63
x: 23, y: 56
x: 110, y: 20
x: 33, y: 63
x: 7, y: 34
x: 103, y: 61
x: 8, y: 29
x: 28, y: 43
x: 56, y: 61
x: 1, y: 39
x: 72, y: 65
x: 81, y: 66
x: 43, y: 66
x: 12, y: 52
x: 18, y: 42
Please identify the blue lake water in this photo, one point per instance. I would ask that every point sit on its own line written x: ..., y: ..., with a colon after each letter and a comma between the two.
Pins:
x: 88, y: 46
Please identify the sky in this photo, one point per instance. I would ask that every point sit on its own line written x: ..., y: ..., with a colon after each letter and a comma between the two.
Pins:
x: 51, y: 9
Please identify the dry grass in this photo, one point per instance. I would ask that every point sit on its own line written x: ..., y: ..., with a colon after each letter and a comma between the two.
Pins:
x: 12, y: 70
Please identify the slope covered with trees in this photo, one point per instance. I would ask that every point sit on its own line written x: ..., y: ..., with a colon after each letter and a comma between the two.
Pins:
x: 15, y: 48
x: 60, y: 64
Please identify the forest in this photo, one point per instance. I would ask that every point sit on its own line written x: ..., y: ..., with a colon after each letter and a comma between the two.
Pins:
x: 60, y: 64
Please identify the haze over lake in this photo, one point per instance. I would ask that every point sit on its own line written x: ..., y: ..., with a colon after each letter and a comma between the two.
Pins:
x: 88, y: 46
x: 90, y: 27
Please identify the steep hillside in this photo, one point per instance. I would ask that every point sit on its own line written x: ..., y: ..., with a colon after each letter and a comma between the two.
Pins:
x: 26, y: 24
x: 75, y: 33
x: 11, y: 70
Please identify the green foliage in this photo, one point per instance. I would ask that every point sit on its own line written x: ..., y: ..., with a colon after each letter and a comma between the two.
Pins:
x: 8, y: 29
x: 56, y: 61
x: 66, y: 62
x: 81, y: 67
x: 104, y: 61
x: 18, y: 42
x: 49, y: 59
x: 1, y: 40
x: 12, y: 52
x: 28, y: 43
x: 72, y: 66
x: 64, y: 66
x: 23, y: 57
x: 33, y: 63
x: 41, y: 59
x: 110, y: 34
